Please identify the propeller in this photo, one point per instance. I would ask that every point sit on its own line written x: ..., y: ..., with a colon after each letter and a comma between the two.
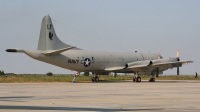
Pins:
x: 178, y: 72
x: 157, y: 69
x: 178, y: 59
x: 157, y: 72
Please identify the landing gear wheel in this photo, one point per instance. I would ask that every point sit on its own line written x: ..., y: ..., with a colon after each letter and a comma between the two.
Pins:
x: 92, y: 79
x: 134, y: 79
x: 152, y: 80
x: 95, y: 79
x: 137, y: 79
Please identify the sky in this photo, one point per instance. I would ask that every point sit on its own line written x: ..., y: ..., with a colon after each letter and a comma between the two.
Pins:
x: 155, y: 26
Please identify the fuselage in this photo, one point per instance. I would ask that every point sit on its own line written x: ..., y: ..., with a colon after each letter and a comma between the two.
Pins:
x: 80, y: 60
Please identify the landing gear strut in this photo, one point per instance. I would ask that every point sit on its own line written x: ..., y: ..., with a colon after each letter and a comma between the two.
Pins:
x: 152, y: 79
x: 95, y: 78
x: 115, y: 75
x: 75, y: 77
x: 136, y: 78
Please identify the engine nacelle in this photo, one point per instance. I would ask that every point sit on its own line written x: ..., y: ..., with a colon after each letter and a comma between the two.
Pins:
x: 164, y: 60
x: 147, y: 62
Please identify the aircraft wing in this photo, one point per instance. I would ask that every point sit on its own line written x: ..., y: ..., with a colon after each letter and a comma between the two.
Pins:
x: 147, y: 67
x: 55, y: 52
x: 173, y: 64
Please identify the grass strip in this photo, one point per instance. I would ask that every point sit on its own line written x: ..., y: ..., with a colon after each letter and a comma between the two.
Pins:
x: 69, y: 78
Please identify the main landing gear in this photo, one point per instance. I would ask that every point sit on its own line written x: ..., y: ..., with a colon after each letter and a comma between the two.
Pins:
x: 136, y: 78
x: 115, y: 75
x: 152, y: 79
x: 94, y: 77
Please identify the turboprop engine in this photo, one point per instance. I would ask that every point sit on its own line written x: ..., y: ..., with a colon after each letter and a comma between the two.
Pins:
x: 138, y: 63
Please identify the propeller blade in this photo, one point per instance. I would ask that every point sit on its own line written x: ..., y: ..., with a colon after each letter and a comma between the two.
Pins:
x: 157, y: 72
x: 178, y: 55
x: 178, y: 72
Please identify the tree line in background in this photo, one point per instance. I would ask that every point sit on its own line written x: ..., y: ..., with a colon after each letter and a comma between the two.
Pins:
x: 2, y: 72
x: 51, y: 74
x: 48, y: 73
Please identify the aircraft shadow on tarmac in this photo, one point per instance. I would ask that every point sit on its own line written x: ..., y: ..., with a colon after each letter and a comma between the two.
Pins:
x: 15, y: 98
x: 172, y: 81
x: 21, y: 98
x: 146, y: 81
x: 72, y: 108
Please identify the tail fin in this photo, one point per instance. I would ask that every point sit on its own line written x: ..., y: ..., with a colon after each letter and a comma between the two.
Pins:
x: 48, y: 39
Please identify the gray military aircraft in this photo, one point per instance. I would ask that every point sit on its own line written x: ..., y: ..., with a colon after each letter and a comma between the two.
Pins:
x: 53, y: 51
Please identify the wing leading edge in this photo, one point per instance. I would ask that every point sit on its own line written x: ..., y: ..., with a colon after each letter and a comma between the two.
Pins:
x: 150, y: 65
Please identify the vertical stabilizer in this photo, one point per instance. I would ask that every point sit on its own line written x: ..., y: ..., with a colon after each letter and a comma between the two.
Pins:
x: 48, y: 39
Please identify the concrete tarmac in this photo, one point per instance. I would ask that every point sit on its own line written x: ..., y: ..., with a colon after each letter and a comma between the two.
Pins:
x: 164, y: 96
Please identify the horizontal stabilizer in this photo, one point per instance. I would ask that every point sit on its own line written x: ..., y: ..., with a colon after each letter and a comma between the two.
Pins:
x: 55, y: 52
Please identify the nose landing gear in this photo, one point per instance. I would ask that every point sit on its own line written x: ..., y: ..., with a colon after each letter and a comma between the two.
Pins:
x: 75, y: 77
